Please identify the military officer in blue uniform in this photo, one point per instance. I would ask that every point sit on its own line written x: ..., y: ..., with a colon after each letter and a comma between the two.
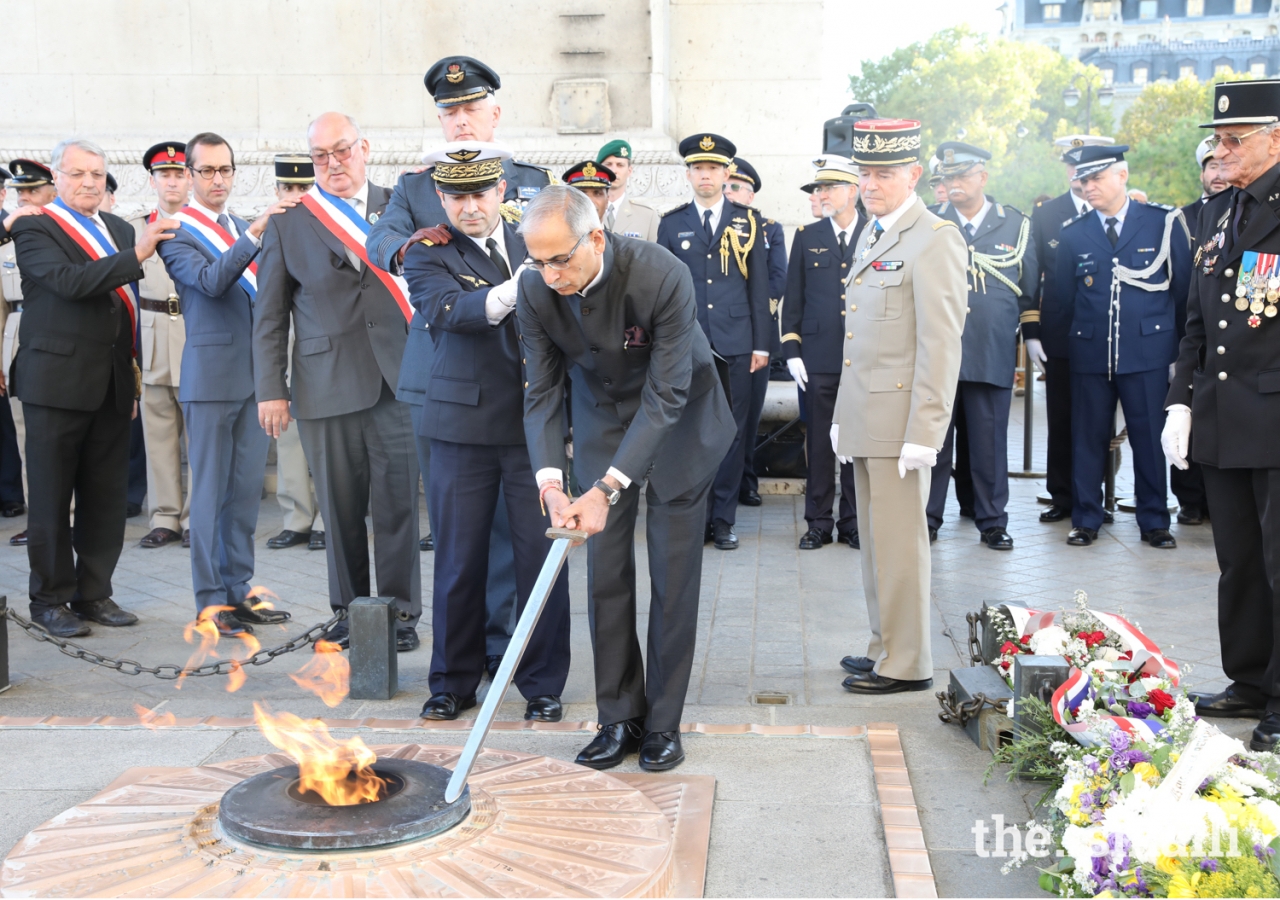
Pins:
x: 1124, y: 268
x: 722, y: 243
x: 1003, y: 275
x: 813, y: 336
x: 743, y: 185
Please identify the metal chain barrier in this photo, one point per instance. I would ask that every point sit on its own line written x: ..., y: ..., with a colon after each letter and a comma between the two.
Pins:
x: 963, y: 713
x: 170, y: 672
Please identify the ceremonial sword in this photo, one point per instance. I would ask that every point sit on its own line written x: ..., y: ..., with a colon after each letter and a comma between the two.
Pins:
x: 563, y: 541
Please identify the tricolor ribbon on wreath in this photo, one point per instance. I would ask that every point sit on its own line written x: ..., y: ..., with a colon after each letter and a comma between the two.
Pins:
x: 218, y: 241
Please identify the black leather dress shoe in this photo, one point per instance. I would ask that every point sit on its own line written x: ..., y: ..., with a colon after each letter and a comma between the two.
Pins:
x: 1160, y: 538
x: 1228, y: 704
x: 61, y: 622
x: 661, y: 750
x: 1187, y: 515
x: 1267, y: 735
x: 158, y: 537
x: 339, y: 634
x: 259, y: 615
x: 1108, y: 517
x: 132, y: 510
x: 855, y: 664
x: 186, y: 537
x: 1082, y: 537
x: 997, y: 539
x: 851, y: 538
x: 407, y: 639
x: 814, y: 539
x: 104, y: 612
x: 725, y: 539
x: 12, y: 508
x: 611, y: 744
x: 1055, y: 514
x: 491, y: 664
x: 933, y: 535
x: 427, y: 544
x: 228, y: 624
x: 445, y: 706
x: 546, y: 708
x: 871, y: 683
x: 966, y: 512
x: 19, y: 539
x: 287, y: 538
x: 317, y: 541
x: 749, y: 498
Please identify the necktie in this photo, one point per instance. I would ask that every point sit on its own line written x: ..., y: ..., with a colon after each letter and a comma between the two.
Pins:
x: 496, y: 255
x: 610, y: 217
x: 844, y: 245
x: 1112, y: 235
x: 968, y: 229
x: 706, y: 225
x: 224, y: 223
x: 1241, y: 220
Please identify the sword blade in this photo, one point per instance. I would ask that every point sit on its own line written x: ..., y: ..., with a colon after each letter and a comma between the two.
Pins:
x: 564, y: 540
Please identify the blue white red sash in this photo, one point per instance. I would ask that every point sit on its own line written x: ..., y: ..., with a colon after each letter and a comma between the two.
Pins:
x: 89, y: 238
x: 342, y: 221
x: 217, y: 240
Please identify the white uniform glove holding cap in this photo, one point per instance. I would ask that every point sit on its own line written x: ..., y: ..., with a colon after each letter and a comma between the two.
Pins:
x: 798, y: 373
x: 502, y: 298
x: 913, y: 456
x: 1176, y: 437
x: 835, y: 444
x: 1035, y: 352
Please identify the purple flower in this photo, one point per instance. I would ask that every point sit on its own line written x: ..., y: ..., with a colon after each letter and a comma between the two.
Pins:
x: 1139, y: 709
x: 1263, y: 853
x: 1090, y: 762
x: 1209, y: 865
x: 1119, y: 740
x: 1126, y: 759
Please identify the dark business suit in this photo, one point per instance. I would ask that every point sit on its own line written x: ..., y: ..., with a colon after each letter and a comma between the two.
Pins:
x: 227, y: 448
x: 734, y: 314
x: 473, y: 407
x: 75, y: 377
x: 813, y: 329
x: 10, y: 456
x: 648, y: 401
x: 1121, y: 353
x: 350, y: 337
x: 775, y: 243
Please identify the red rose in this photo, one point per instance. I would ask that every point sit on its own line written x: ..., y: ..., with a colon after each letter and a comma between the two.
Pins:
x: 1009, y: 647
x: 1161, y: 701
x: 1091, y: 638
x: 1025, y: 639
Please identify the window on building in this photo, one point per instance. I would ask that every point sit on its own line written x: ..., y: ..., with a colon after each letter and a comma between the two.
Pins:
x: 1195, y: 8
x: 1141, y: 73
x: 1222, y: 68
x: 1100, y: 38
x: 1102, y: 8
x: 1108, y: 75
x: 1244, y: 7
x: 1258, y: 69
x: 1147, y: 9
x: 1052, y: 12
x: 1187, y: 70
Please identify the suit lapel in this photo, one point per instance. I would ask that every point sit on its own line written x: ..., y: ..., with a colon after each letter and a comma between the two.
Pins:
x: 1133, y: 223
x: 990, y: 222
x: 826, y: 235
x: 475, y: 258
x: 326, y: 237
x: 1261, y: 224
x: 377, y: 202
x: 890, y: 238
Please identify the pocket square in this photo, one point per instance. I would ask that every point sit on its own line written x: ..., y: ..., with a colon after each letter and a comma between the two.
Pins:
x: 636, y: 337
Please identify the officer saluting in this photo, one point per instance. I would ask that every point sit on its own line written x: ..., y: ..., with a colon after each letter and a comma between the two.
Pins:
x: 1124, y: 266
x: 721, y: 243
x: 1002, y: 280
x: 813, y: 335
x: 1231, y: 356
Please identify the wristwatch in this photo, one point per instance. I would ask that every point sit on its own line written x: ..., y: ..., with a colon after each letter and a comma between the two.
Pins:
x: 612, y: 494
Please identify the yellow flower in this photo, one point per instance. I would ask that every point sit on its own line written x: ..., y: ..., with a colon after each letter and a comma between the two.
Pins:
x: 1168, y: 865
x: 1147, y: 772
x: 1180, y: 886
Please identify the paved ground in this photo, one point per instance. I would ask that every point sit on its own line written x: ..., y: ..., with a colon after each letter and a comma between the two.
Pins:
x: 773, y: 619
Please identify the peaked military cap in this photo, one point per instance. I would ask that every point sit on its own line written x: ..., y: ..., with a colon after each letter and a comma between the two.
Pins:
x: 467, y: 167
x: 460, y: 79
x: 831, y: 168
x: 27, y: 173
x: 1070, y: 142
x: 5, y: 175
x: 618, y: 148
x: 744, y: 171
x: 1245, y: 103
x: 886, y: 142
x: 112, y: 184
x: 294, y: 168
x: 165, y: 155
x: 956, y: 158
x: 706, y: 147
x: 589, y: 175
x: 1092, y: 160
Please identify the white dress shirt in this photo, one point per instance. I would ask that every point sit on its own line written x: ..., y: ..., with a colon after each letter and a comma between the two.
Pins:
x: 847, y: 232
x: 102, y: 226
x: 716, y: 212
x: 977, y: 220
x: 1119, y: 217
x: 359, y: 201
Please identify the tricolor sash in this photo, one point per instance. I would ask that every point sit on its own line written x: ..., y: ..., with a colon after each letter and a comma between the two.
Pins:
x: 218, y: 241
x: 341, y: 220
x: 89, y: 238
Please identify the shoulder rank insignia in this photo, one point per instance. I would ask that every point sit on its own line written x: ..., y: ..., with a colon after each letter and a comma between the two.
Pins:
x: 944, y: 223
x: 887, y: 265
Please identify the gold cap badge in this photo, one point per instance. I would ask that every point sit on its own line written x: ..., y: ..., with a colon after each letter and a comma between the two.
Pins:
x: 706, y: 143
x: 588, y: 171
x: 172, y: 152
x: 454, y: 74
x: 463, y: 155
x: 1223, y: 102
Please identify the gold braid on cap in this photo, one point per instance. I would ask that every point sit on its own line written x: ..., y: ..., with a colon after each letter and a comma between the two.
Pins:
x: 464, y: 173
x: 731, y: 238
x: 874, y: 143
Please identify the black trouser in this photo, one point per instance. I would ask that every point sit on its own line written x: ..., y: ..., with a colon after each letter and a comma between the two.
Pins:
x: 673, y: 534
x: 85, y: 454
x: 10, y: 458
x: 1188, y: 484
x: 962, y: 472
x: 722, y: 502
x: 137, y: 491
x: 820, y: 488
x: 986, y: 410
x: 1245, y: 507
x: 1057, y: 394
x: 759, y: 389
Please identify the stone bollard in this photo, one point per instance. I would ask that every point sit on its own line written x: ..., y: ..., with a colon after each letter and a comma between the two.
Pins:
x: 372, y: 624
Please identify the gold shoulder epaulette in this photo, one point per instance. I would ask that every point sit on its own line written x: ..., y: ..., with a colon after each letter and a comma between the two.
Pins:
x: 768, y: 221
x: 937, y: 225
x: 801, y: 228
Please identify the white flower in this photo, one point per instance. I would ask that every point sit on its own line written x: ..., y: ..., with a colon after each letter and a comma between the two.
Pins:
x: 1110, y: 654
x: 1051, y: 641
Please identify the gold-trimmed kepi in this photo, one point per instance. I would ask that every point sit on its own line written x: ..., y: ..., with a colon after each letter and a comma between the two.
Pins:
x: 165, y: 155
x: 294, y: 168
x: 956, y: 158
x: 886, y: 142
x: 831, y: 168
x: 1245, y: 103
x: 467, y: 167
x: 27, y: 173
x: 707, y: 147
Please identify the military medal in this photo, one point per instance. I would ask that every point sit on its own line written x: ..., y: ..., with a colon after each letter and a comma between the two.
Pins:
x: 1256, y: 307
x: 1242, y: 304
x: 1242, y: 290
x: 1258, y: 286
x: 1254, y: 321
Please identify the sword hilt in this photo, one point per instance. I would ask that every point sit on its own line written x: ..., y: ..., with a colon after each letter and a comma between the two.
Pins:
x: 568, y: 534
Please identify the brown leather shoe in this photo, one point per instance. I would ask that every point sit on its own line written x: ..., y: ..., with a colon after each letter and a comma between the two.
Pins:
x: 19, y: 539
x: 158, y: 537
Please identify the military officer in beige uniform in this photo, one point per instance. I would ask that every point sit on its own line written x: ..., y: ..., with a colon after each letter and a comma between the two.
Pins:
x: 904, y: 315
x: 163, y: 336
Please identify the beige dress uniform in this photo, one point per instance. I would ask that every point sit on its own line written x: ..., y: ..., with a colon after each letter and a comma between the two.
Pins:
x: 295, y: 488
x: 163, y: 336
x: 904, y: 314
x: 632, y: 219
x: 11, y: 288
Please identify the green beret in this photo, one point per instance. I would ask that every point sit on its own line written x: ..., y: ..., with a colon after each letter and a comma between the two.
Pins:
x: 618, y: 148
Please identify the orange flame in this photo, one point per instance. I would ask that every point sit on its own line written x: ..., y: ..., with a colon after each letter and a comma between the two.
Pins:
x: 327, y: 674
x: 152, y: 719
x: 207, y: 629
x: 341, y: 772
x: 255, y: 597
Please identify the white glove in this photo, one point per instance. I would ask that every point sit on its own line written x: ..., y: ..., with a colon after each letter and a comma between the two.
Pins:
x: 796, y: 368
x: 1035, y: 352
x: 505, y: 293
x: 913, y: 456
x: 835, y: 438
x: 1172, y: 368
x: 1176, y: 437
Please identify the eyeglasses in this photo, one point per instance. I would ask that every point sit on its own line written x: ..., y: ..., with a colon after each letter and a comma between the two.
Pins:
x: 735, y: 186
x: 560, y: 263
x: 207, y: 172
x: 828, y: 188
x: 339, y: 154
x: 1233, y: 141
x: 81, y: 174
